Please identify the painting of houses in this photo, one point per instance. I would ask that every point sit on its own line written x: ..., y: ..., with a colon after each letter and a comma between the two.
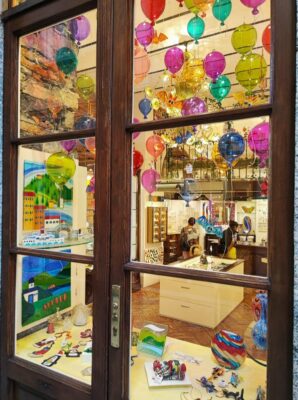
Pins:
x: 46, y: 286
x: 41, y: 200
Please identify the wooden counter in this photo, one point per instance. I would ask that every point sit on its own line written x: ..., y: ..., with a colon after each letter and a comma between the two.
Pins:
x: 255, y: 257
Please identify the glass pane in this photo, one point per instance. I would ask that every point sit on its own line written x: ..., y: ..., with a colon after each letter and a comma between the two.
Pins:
x: 56, y: 205
x: 213, y: 176
x: 57, y: 77
x: 203, y: 56
x: 54, y: 315
x: 215, y: 335
x: 4, y: 4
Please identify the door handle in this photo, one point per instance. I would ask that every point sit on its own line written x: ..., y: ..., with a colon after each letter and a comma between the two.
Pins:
x: 115, y: 317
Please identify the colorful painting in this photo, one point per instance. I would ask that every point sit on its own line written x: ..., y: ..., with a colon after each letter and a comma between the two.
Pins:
x: 46, y: 286
x: 41, y: 200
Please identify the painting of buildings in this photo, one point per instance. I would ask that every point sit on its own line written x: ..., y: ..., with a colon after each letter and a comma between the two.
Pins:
x: 41, y: 200
x: 46, y: 286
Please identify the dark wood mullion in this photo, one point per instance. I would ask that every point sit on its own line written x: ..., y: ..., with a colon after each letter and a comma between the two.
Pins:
x: 102, y: 223
x: 281, y: 204
x: 33, y: 376
x: 12, y: 11
x: 48, y: 13
x: 9, y: 210
x: 55, y: 255
x: 121, y: 187
x: 53, y: 137
x: 208, y: 118
x: 257, y: 282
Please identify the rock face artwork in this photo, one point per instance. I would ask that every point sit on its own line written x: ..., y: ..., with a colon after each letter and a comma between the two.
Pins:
x: 49, y: 100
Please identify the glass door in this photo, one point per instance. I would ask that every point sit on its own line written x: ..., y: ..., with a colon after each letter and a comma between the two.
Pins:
x: 198, y: 267
x: 56, y: 255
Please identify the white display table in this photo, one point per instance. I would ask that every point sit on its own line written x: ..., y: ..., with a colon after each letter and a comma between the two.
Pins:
x: 252, y: 374
x: 202, y: 303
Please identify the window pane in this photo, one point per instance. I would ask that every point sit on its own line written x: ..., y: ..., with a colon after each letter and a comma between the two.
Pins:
x: 54, y: 315
x: 213, y: 176
x: 218, y: 332
x: 56, y: 204
x: 203, y: 57
x: 57, y: 77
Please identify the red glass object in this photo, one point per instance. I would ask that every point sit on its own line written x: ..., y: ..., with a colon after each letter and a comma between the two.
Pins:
x: 153, y: 9
x: 138, y: 161
x: 266, y: 38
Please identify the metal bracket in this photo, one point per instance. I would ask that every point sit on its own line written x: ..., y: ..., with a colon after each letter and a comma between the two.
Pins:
x: 115, y: 317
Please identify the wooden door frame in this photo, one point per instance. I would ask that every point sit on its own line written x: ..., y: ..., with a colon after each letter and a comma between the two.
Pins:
x: 34, y: 15
x: 113, y: 228
x: 280, y: 282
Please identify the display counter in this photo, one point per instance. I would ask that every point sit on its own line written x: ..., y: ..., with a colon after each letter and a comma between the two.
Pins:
x: 202, y: 303
x: 255, y: 256
x: 252, y: 374
x: 73, y: 367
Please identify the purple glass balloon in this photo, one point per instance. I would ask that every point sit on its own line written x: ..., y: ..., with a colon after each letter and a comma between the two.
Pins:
x: 254, y: 4
x: 259, y: 141
x: 214, y: 64
x: 80, y: 28
x: 135, y: 134
x: 194, y: 105
x: 149, y: 178
x: 174, y: 59
x: 68, y: 145
x: 144, y: 33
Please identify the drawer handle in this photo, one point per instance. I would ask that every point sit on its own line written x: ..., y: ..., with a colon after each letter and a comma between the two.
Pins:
x: 184, y: 306
x: 185, y: 287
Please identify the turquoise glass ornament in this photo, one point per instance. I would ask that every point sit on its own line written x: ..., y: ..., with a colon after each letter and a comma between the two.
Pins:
x: 66, y: 60
x: 221, y: 10
x: 220, y: 88
x: 196, y: 28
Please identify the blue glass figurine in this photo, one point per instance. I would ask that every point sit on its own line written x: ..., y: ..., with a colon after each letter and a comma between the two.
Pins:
x: 234, y: 381
x: 259, y: 331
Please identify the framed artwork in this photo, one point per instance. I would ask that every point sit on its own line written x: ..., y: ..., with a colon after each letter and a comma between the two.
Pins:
x: 41, y: 200
x: 46, y: 286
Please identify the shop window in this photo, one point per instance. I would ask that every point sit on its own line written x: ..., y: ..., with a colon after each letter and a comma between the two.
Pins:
x: 197, y: 57
x: 53, y: 323
x: 58, y: 79
x: 215, y: 175
x: 194, y: 339
x: 56, y: 202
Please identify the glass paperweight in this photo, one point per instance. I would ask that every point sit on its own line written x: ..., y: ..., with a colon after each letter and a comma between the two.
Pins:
x: 152, y: 339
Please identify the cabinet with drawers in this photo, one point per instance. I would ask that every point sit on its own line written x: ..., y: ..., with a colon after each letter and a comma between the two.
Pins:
x: 202, y: 303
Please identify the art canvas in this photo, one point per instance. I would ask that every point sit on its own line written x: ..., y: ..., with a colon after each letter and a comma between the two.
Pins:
x: 41, y: 201
x: 46, y: 286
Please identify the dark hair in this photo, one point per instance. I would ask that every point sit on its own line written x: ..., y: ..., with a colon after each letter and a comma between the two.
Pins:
x: 192, y: 221
x: 233, y: 224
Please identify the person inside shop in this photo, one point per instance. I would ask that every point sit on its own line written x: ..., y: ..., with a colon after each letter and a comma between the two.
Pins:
x: 227, y: 243
x: 189, y: 239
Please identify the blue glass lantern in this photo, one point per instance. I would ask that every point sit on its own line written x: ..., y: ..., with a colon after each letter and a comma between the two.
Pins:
x: 231, y: 146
